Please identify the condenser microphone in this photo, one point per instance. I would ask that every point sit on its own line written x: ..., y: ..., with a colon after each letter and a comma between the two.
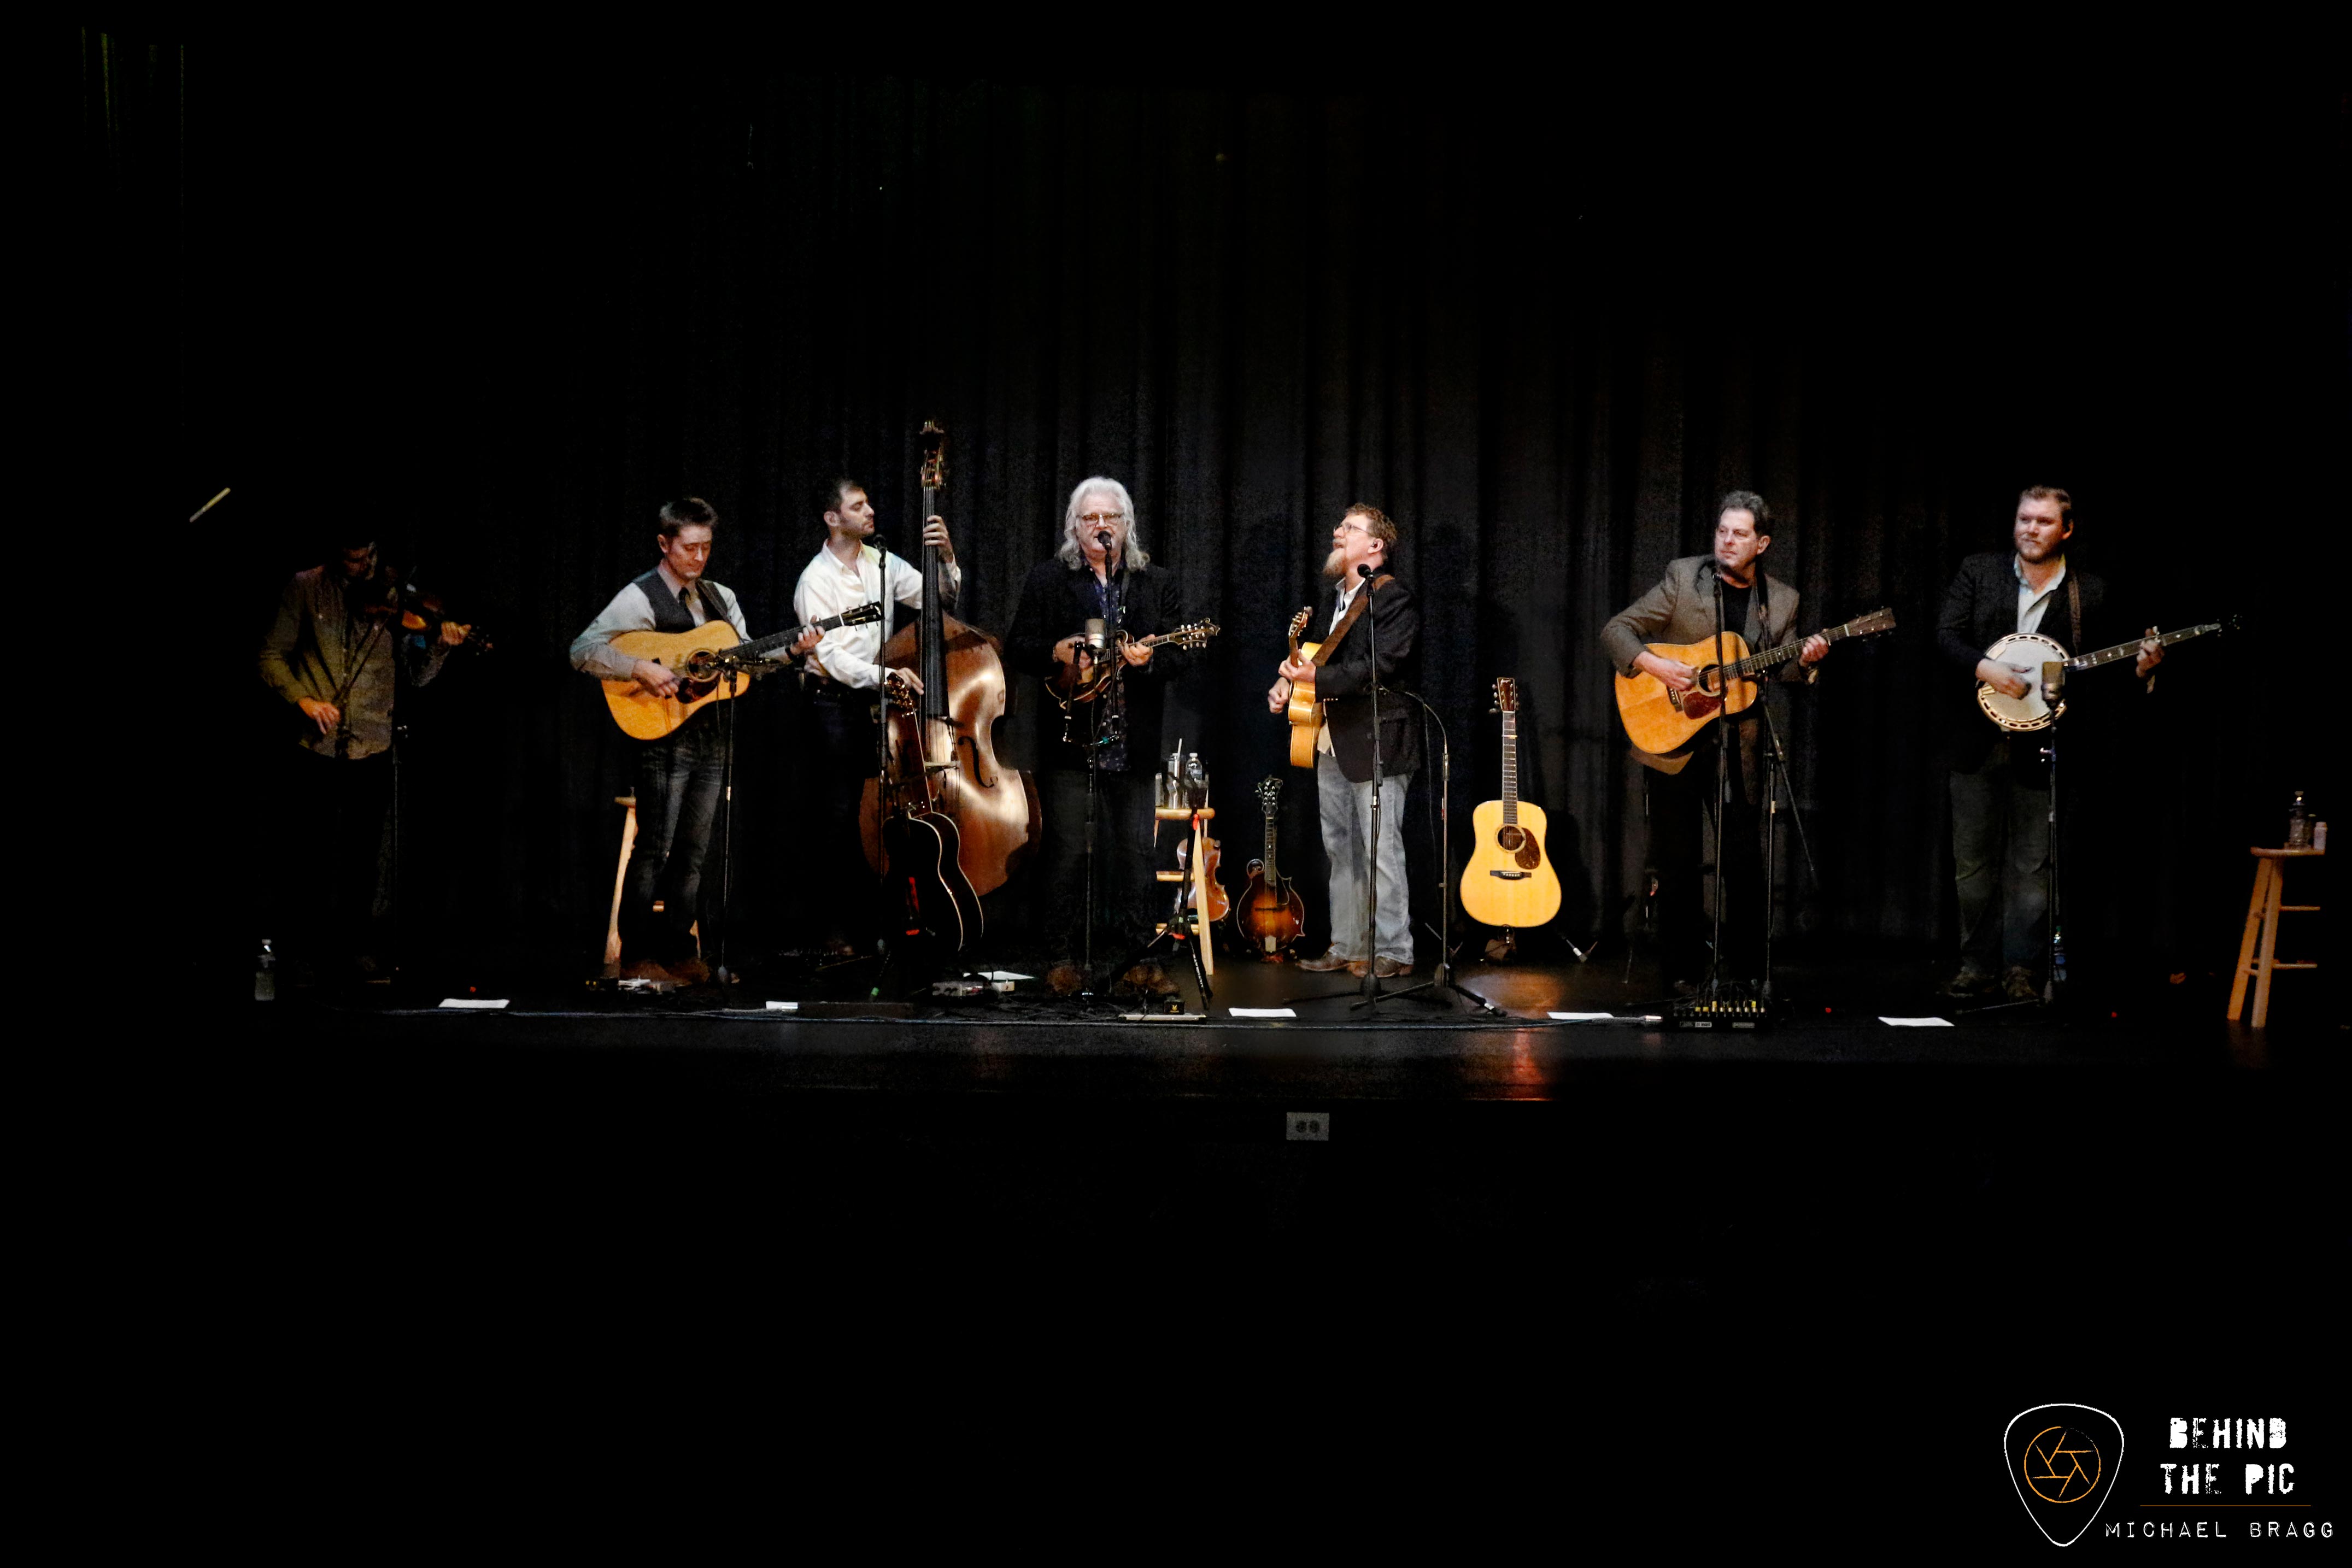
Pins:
x: 2053, y: 680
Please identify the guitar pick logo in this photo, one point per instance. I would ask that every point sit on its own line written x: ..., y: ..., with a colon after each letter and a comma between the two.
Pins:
x: 2062, y: 1461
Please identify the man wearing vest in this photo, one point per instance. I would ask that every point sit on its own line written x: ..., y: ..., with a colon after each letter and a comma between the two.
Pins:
x: 678, y: 777
x: 1343, y: 763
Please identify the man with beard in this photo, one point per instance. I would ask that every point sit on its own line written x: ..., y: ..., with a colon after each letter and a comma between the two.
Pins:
x: 1101, y: 572
x: 336, y: 652
x: 2001, y: 787
x: 1343, y: 761
x: 1682, y: 788
x: 843, y: 678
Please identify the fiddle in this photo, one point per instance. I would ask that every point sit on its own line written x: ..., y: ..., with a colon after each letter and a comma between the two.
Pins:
x: 411, y: 609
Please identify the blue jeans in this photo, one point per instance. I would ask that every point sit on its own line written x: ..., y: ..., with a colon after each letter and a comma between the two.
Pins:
x: 678, y: 784
x: 1346, y: 810
x: 2000, y: 861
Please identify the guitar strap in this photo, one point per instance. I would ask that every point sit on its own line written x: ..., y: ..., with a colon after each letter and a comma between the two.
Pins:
x: 2074, y: 612
x: 1348, y: 621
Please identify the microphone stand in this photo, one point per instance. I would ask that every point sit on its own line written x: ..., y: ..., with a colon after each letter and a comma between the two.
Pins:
x: 882, y: 804
x: 1099, y: 725
x: 1444, y: 979
x: 1776, y: 780
x: 1723, y: 744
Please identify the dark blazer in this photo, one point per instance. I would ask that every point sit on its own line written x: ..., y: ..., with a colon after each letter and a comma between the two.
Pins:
x: 1344, y: 683
x: 1057, y: 601
x: 1680, y: 609
x: 1979, y: 609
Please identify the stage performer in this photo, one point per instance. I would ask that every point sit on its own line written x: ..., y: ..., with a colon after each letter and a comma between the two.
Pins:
x: 1365, y: 537
x: 843, y: 679
x: 1999, y: 784
x: 1680, y: 609
x: 336, y: 651
x: 677, y: 778
x: 1101, y: 572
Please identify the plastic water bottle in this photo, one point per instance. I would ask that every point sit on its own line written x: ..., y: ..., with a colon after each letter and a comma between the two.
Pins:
x: 265, y: 973
x: 2298, y: 825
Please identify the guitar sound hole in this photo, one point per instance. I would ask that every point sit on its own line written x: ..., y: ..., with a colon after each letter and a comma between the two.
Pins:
x: 1514, y: 839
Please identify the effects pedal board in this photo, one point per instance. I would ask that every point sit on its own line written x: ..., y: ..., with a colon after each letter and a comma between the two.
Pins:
x: 1725, y: 1012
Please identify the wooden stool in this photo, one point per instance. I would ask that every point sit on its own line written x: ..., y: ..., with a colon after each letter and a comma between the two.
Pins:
x: 2261, y: 920
x: 620, y: 876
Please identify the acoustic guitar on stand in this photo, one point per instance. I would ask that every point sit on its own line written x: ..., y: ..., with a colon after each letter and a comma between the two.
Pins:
x: 699, y: 659
x: 1509, y: 881
x: 1660, y: 719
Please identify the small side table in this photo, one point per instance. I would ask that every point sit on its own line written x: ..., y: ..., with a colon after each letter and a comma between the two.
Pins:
x: 2263, y: 912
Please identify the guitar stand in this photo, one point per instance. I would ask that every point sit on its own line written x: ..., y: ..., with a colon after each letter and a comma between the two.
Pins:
x: 1188, y: 925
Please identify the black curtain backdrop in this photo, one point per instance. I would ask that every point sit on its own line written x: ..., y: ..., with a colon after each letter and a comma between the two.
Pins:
x: 507, y: 295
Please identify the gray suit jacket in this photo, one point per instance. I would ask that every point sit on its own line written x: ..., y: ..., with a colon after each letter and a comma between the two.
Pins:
x: 1681, y: 609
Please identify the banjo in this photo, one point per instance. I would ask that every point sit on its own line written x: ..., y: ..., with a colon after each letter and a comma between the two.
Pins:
x: 2026, y: 651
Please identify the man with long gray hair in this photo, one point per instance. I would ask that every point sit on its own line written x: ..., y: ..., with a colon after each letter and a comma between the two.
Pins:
x: 1091, y: 605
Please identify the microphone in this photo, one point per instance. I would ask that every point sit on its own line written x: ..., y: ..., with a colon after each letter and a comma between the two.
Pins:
x: 1365, y: 569
x: 1096, y: 635
x: 2053, y: 680
x: 1102, y: 538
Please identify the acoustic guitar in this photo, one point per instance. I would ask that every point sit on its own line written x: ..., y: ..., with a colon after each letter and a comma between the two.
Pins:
x: 1509, y: 881
x: 1305, y: 713
x: 1269, y: 916
x: 1660, y: 719
x: 2031, y: 650
x: 699, y: 659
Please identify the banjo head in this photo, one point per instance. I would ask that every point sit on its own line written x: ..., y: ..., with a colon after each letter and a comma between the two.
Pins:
x: 2028, y: 712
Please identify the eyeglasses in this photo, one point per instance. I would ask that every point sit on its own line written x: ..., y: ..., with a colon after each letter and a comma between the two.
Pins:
x: 1102, y: 519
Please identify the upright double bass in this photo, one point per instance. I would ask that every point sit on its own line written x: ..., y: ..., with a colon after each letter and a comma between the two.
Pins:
x: 943, y: 762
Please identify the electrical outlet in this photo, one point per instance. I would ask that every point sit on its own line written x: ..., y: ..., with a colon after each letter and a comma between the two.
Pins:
x: 1307, y: 1127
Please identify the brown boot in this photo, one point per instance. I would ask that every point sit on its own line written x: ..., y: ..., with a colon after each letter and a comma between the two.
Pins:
x: 1330, y: 961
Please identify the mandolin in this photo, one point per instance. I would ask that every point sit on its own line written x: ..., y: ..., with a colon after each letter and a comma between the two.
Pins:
x: 1509, y: 881
x: 1270, y: 916
x: 701, y: 659
x: 1082, y: 682
x: 1661, y: 720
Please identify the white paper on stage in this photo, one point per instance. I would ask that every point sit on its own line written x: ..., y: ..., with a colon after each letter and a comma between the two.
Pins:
x: 783, y: 1007
x: 1262, y: 1012
x: 1581, y: 1018
x: 472, y: 1003
x: 1917, y: 1023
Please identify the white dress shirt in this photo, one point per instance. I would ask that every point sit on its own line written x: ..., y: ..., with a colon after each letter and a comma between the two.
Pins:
x: 851, y: 654
x: 2033, y: 603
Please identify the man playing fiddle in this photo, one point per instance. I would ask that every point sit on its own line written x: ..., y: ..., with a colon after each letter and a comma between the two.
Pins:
x: 336, y: 651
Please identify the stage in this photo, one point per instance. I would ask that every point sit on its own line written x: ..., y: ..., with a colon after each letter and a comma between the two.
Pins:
x: 1027, y: 1119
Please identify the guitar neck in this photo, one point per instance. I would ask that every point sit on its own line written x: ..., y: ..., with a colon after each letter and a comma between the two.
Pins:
x: 770, y: 644
x: 2131, y: 649
x: 1272, y: 876
x: 1511, y: 768
x: 1788, y: 651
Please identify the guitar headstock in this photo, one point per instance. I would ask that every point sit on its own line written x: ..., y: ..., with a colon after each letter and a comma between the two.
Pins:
x: 862, y: 614
x: 1298, y: 624
x: 1191, y: 635
x: 1507, y: 694
x: 935, y: 456
x: 1871, y: 624
x: 1269, y: 795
